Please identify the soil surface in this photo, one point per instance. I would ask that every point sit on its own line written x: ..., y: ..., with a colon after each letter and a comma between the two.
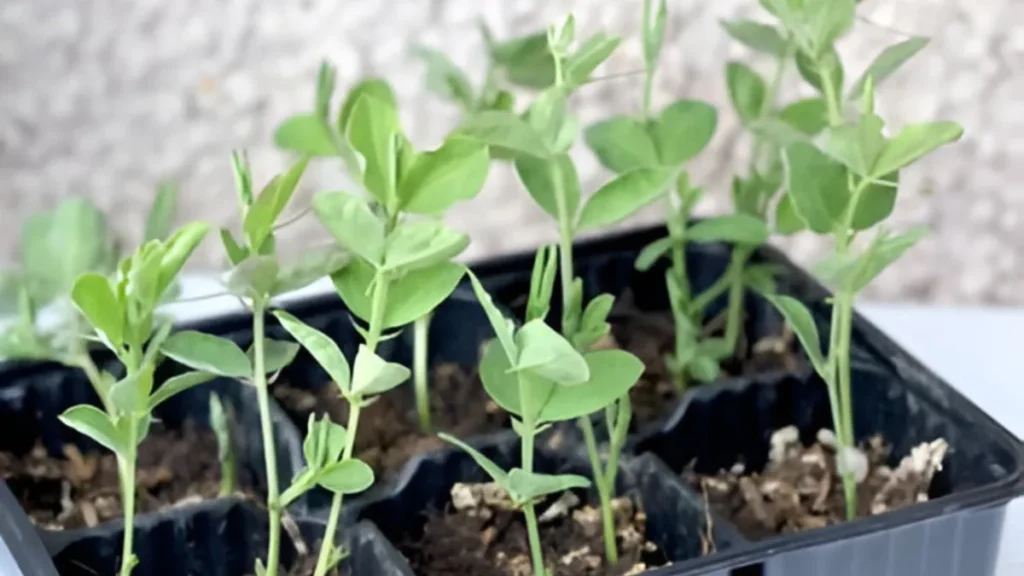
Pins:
x: 800, y: 488
x: 389, y: 431
x: 481, y: 534
x: 82, y: 490
x: 651, y: 336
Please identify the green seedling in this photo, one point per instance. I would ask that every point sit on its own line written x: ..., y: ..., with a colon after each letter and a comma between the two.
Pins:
x: 121, y: 311
x: 540, y: 377
x: 842, y: 182
x: 540, y: 143
x: 220, y: 421
x: 401, y: 182
x: 256, y: 277
x: 401, y: 268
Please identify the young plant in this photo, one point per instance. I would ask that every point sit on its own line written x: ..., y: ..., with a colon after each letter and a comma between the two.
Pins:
x: 541, y: 143
x: 840, y: 184
x: 401, y: 182
x: 220, y: 421
x: 257, y: 276
x: 540, y: 377
x: 121, y: 311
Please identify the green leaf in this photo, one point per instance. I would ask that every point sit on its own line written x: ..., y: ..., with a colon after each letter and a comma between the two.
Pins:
x: 787, y: 220
x: 542, y: 282
x: 594, y: 322
x: 591, y: 53
x: 526, y: 60
x: 161, y: 213
x: 376, y: 88
x: 546, y: 353
x: 307, y: 135
x: 528, y: 486
x: 800, y: 320
x: 704, y: 368
x: 374, y: 375
x: 733, y: 228
x: 309, y: 267
x: 828, y: 20
x: 324, y: 442
x: 612, y: 374
x: 207, y: 353
x: 887, y: 63
x: 324, y: 350
x: 550, y: 118
x: 254, y: 277
x: 445, y: 79
x: 810, y: 73
x: 545, y: 178
x: 624, y: 196
x: 761, y: 277
x: 350, y: 476
x: 504, y: 130
x: 757, y: 36
x: 175, y: 385
x: 277, y: 354
x: 817, y: 186
x: 500, y: 382
x: 876, y: 203
x: 809, y: 115
x: 854, y: 273
x: 653, y: 252
x: 234, y: 251
x: 856, y: 145
x: 130, y: 395
x: 95, y: 299
x: 177, y: 250
x: 503, y: 327
x: 410, y: 296
x: 488, y: 465
x: 260, y: 217
x: 776, y: 131
x: 352, y: 223
x: 621, y: 144
x: 912, y: 143
x: 454, y: 172
x: 747, y: 90
x: 92, y: 422
x: 416, y: 245
x: 683, y: 130
x: 371, y: 130
x: 654, y: 34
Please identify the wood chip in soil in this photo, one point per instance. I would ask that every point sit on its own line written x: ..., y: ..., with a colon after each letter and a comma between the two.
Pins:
x: 389, y: 432
x: 174, y: 468
x: 482, y: 534
x: 800, y: 488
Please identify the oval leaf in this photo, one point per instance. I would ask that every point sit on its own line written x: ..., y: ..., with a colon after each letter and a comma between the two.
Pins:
x: 612, y: 374
x: 747, y: 90
x: 305, y: 134
x: 320, y: 347
x: 350, y: 476
x: 787, y: 220
x: 176, y: 385
x: 546, y: 353
x: 276, y: 354
x: 652, y: 253
x: 254, y: 277
x: 207, y: 353
x: 624, y: 196
x: 309, y: 267
x: 621, y: 144
x: 504, y: 130
x: 912, y: 143
x: 501, y: 384
x: 809, y: 115
x: 371, y: 129
x: 684, y: 129
x: 95, y: 424
x: 888, y: 62
x: 374, y: 375
x: 817, y: 186
x: 760, y: 37
x: 454, y: 172
x: 352, y: 223
x: 543, y: 178
x: 800, y: 320
x: 733, y: 228
x: 418, y: 245
x: 95, y: 299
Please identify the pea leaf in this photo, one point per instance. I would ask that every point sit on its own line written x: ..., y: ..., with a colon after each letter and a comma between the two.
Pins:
x: 350, y: 476
x: 833, y: 66
x: 260, y: 217
x: 177, y: 250
x: 526, y: 60
x: 352, y: 223
x: 776, y: 131
x: 500, y: 382
x: 612, y: 374
x: 324, y: 350
x: 372, y: 129
x: 542, y: 282
x: 276, y: 354
x: 528, y: 486
x: 800, y: 320
x: 307, y: 135
x: 92, y: 422
x: 856, y: 145
x: 161, y: 213
x: 591, y: 53
x: 854, y: 273
x: 324, y: 442
x: 418, y: 245
x: 130, y: 394
x: 546, y: 353
x: 445, y: 79
x: 492, y: 469
x: 817, y: 186
x: 877, y: 202
x: 550, y: 118
x: 594, y: 322
x: 747, y: 91
x: 176, y: 385
x: 308, y: 268
x: 505, y: 130
x: 912, y: 143
x: 757, y: 36
x: 234, y: 251
x: 787, y: 219
x: 254, y: 277
x: 454, y: 172
x: 374, y: 375
x: 733, y: 228
x: 545, y: 178
x: 652, y: 253
x: 376, y: 88
x: 621, y: 144
x: 95, y: 299
x: 503, y: 327
x: 887, y: 63
x: 410, y: 296
x: 624, y: 196
x: 809, y: 115
x: 207, y: 353
x: 683, y: 130
x: 828, y: 20
x: 703, y: 368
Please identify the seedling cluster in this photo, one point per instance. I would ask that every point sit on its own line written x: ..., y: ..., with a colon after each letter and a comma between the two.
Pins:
x: 825, y: 164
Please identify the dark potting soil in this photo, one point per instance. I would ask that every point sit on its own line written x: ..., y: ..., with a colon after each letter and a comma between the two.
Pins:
x: 389, y: 431
x: 481, y: 533
x: 800, y: 488
x: 82, y: 490
x: 651, y: 336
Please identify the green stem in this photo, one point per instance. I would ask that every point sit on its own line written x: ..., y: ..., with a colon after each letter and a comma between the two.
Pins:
x: 126, y: 467
x: 266, y: 426
x: 844, y: 425
x: 611, y: 552
x: 709, y: 295
x: 734, y: 314
x: 228, y: 475
x: 768, y: 106
x: 529, y: 428
x: 420, y: 370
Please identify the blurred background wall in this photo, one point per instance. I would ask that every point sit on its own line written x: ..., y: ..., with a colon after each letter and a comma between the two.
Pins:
x: 104, y: 98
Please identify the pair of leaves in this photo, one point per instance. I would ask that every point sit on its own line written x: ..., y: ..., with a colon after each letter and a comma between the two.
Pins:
x: 815, y: 24
x: 863, y: 149
x: 263, y: 277
x: 409, y: 296
x: 523, y: 487
x: 852, y: 273
x: 739, y: 228
x: 436, y: 180
x: 757, y: 36
x: 209, y: 354
x: 326, y: 465
x: 266, y: 208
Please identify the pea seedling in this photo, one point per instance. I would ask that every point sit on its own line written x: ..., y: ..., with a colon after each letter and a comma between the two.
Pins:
x: 121, y: 311
x: 220, y: 421
x: 841, y: 183
x: 540, y: 377
x: 541, y: 143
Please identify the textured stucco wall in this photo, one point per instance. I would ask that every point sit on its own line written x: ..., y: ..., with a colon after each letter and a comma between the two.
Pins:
x: 105, y: 97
